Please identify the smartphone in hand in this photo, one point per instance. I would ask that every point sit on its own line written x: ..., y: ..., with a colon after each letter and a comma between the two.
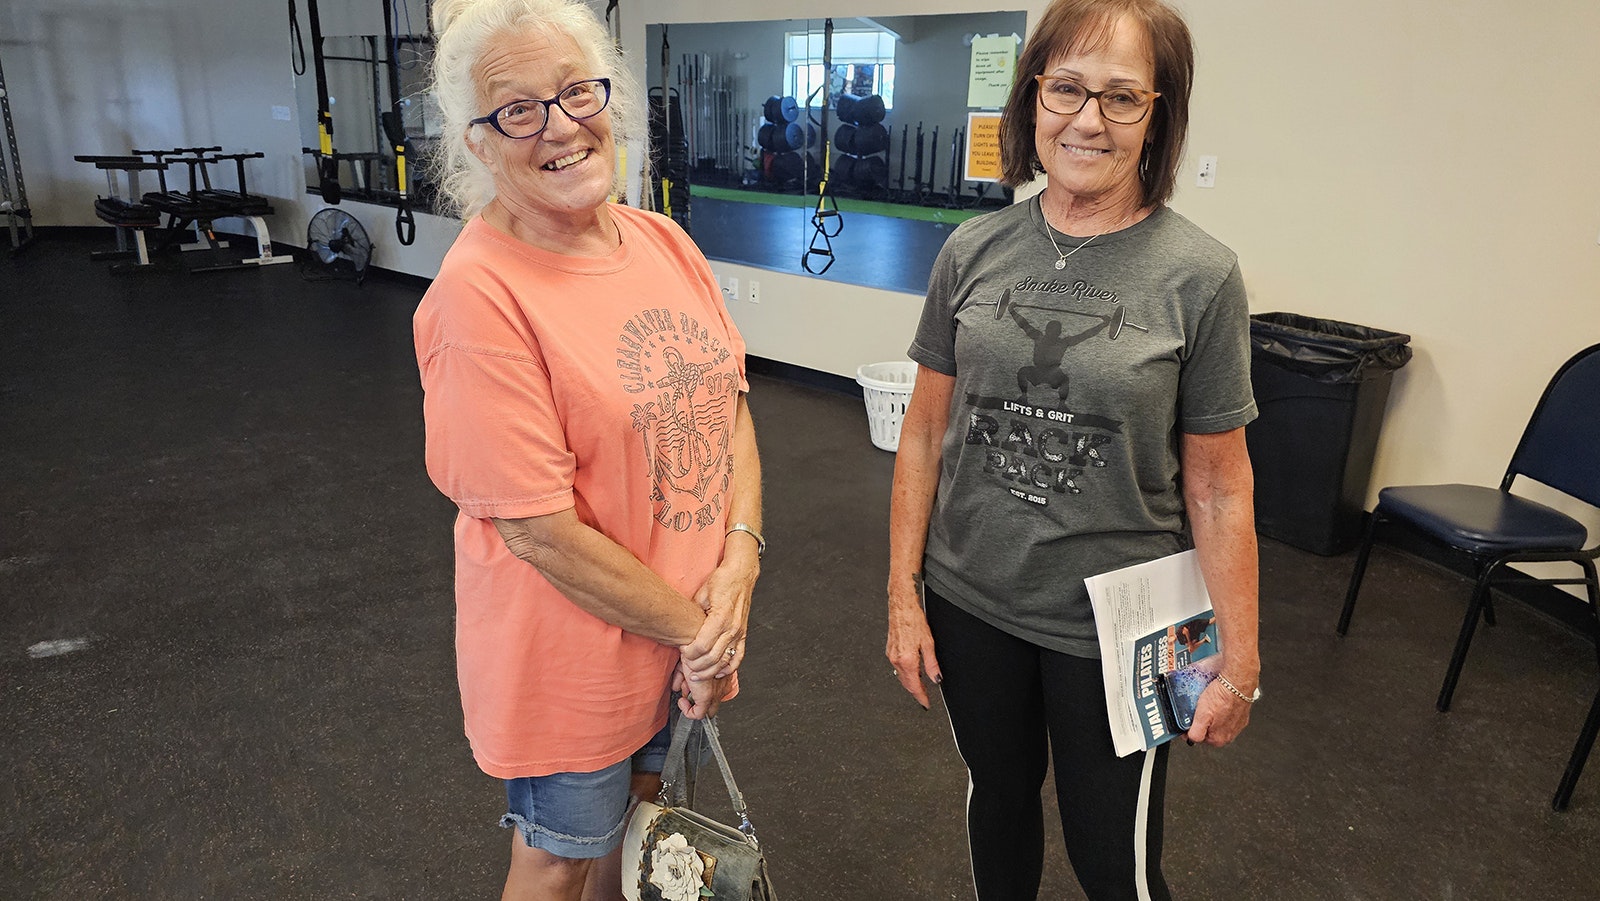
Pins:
x: 1180, y: 690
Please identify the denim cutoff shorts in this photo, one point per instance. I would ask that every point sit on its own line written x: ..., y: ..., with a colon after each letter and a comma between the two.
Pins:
x: 581, y: 815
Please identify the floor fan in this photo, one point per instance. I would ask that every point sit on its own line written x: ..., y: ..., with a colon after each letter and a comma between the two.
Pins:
x: 337, y: 246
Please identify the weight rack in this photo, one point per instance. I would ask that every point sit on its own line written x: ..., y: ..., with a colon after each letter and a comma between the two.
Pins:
x: 19, y: 218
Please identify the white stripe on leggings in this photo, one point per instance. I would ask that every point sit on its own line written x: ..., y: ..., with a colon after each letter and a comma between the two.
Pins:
x: 1141, y: 821
x: 1141, y: 829
x: 967, y: 810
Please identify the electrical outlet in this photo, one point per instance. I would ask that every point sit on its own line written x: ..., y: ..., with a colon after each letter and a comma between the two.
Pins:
x: 1206, y: 176
x: 732, y: 291
x: 754, y: 293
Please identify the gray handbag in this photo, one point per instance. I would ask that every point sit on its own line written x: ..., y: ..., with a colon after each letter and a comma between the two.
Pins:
x: 672, y: 853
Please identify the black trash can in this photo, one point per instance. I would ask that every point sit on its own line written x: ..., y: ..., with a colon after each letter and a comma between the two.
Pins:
x: 1321, y: 386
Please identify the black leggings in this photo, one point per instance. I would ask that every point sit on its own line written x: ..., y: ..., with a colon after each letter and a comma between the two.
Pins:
x: 1014, y: 707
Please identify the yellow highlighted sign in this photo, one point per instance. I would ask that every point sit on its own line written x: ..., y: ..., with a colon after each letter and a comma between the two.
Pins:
x: 983, y: 147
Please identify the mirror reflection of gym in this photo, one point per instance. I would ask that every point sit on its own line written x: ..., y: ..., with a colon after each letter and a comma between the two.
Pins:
x: 372, y: 90
x: 739, y: 156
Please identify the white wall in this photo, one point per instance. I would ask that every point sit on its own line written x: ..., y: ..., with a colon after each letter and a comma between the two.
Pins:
x: 1426, y: 168
x: 102, y: 77
x: 106, y: 76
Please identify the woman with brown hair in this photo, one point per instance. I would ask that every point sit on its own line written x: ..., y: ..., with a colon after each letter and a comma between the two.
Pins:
x: 1102, y: 427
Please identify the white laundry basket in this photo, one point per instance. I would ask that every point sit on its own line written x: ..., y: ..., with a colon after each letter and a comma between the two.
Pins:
x: 886, y: 387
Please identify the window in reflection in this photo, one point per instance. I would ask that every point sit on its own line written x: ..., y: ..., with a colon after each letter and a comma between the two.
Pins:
x: 863, y: 62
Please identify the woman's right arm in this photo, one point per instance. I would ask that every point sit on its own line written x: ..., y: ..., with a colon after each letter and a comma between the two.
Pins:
x: 494, y: 439
x: 916, y: 479
x: 601, y: 577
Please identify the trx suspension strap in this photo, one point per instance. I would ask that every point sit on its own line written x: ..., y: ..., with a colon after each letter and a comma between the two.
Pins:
x: 666, y: 124
x: 297, y: 59
x: 826, y: 221
x: 394, y: 126
x: 327, y: 166
x: 620, y: 192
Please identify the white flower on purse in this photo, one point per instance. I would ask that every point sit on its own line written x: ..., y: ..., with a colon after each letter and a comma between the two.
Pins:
x: 676, y: 869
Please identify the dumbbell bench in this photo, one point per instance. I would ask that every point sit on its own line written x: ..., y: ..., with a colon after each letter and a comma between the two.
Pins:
x: 128, y: 215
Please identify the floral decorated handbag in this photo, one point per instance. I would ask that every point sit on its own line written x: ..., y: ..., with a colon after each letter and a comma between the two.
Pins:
x: 672, y: 853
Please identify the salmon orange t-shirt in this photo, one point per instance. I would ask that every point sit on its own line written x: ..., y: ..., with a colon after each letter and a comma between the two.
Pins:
x: 604, y: 384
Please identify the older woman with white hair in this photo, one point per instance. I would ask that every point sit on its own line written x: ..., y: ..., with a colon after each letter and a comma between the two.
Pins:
x: 585, y: 409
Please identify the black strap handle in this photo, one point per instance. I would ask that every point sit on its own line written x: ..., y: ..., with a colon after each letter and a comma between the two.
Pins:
x: 405, y: 226
x: 297, y: 59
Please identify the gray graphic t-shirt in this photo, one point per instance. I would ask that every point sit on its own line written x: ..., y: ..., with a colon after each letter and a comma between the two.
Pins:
x: 1072, y: 388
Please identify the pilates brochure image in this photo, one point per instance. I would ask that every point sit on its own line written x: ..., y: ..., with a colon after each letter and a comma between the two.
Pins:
x: 1152, y: 619
x: 1174, y: 664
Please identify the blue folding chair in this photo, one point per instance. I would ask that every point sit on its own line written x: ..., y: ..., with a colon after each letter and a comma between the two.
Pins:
x: 1492, y: 527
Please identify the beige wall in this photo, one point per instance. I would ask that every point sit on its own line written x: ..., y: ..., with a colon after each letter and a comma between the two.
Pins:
x: 1431, y: 169
x: 1427, y: 168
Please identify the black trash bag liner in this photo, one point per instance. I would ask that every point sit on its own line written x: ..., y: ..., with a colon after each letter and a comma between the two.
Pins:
x: 1326, y: 350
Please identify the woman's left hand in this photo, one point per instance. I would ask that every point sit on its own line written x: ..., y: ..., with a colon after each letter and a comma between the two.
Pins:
x: 725, y: 597
x: 699, y: 699
x: 1219, y: 717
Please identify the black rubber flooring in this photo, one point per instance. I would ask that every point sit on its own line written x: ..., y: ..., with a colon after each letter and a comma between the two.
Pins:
x: 876, y: 251
x: 216, y: 482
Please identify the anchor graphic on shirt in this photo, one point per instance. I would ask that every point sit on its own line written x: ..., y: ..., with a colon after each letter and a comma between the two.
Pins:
x: 687, y: 444
x: 682, y: 376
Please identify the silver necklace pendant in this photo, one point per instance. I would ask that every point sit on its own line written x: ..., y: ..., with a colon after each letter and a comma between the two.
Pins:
x: 1061, y: 255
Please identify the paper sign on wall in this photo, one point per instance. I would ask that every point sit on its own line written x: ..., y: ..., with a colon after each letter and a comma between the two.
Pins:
x: 983, y: 147
x: 989, y: 79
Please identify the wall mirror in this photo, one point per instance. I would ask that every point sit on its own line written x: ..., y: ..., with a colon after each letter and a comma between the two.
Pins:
x: 738, y: 147
x: 375, y: 70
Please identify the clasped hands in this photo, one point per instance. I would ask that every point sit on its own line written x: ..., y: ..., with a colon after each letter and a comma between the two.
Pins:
x: 706, y: 665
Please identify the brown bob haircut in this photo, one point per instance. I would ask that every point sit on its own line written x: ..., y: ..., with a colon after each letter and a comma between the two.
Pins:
x: 1068, y: 25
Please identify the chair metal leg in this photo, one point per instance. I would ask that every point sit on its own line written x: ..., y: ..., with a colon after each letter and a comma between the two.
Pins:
x: 1591, y: 724
x: 1358, y: 573
x: 1592, y: 583
x: 1580, y: 755
x: 1480, y: 596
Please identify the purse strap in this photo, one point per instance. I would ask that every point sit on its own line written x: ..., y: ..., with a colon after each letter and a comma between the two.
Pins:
x: 674, y: 772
